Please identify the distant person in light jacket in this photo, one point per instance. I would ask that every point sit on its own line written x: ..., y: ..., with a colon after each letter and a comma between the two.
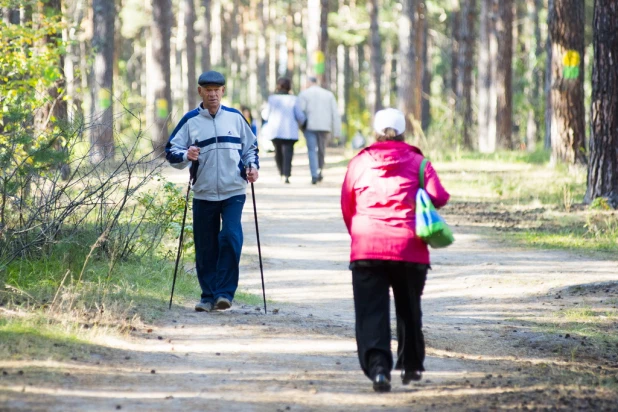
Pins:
x: 323, y: 121
x: 378, y: 204
x: 283, y: 118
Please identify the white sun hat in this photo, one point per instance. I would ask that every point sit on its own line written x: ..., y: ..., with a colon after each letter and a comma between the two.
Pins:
x: 389, y: 118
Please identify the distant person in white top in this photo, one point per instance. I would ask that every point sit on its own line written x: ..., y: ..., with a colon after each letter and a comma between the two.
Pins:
x: 283, y: 117
x: 320, y: 108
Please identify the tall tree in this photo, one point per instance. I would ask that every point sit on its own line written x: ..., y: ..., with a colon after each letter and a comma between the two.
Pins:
x: 407, y: 62
x: 376, y: 57
x: 466, y: 62
x: 102, y: 134
x: 190, y: 50
x: 566, y: 32
x: 504, y: 74
x: 323, y: 42
x: 487, y: 100
x: 160, y: 93
x: 55, y: 105
x: 495, y: 75
x: 206, y: 35
x: 603, y: 165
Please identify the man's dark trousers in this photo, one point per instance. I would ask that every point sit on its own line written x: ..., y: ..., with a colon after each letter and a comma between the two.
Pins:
x: 371, y: 281
x: 217, y: 232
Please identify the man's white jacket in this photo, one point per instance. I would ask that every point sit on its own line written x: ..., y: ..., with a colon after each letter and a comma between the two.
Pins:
x: 227, y: 145
x: 320, y: 107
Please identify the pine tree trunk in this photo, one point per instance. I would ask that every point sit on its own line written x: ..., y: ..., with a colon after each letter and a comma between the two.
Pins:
x: 102, y: 134
x: 407, y: 62
x: 190, y: 51
x: 262, y: 55
x: 375, y: 42
x: 603, y: 165
x: 206, y: 35
x: 426, y: 89
x: 457, y: 17
x: 487, y: 93
x: 504, y: 75
x: 323, y: 42
x: 421, y: 22
x: 568, y: 134
x: 466, y: 62
x: 160, y: 72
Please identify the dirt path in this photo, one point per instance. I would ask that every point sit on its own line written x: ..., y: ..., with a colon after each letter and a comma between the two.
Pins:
x: 480, y: 305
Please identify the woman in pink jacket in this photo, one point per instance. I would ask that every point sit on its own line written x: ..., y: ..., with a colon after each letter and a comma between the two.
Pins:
x: 378, y: 205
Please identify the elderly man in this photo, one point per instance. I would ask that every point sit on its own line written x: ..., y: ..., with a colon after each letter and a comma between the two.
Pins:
x: 320, y: 108
x: 223, y: 149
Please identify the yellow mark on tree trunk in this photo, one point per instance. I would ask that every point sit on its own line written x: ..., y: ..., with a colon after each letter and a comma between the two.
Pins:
x: 571, y: 61
x: 162, y: 110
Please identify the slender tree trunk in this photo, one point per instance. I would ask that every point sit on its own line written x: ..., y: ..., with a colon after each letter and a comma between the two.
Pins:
x: 457, y: 18
x: 102, y: 135
x: 55, y: 105
x: 262, y: 55
x: 504, y: 74
x: 603, y: 165
x: 426, y: 91
x: 160, y: 101
x: 206, y: 35
x: 407, y: 62
x: 323, y: 42
x: 190, y: 51
x: 466, y: 62
x: 487, y: 93
x: 376, y: 57
x: 421, y: 22
x: 548, y: 94
x: 72, y: 60
x: 566, y: 27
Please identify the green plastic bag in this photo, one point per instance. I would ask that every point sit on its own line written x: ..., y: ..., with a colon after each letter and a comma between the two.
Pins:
x: 430, y: 226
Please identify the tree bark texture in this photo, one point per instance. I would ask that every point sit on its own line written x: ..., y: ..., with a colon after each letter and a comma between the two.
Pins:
x: 102, y: 134
x: 206, y: 36
x: 566, y: 28
x: 190, y: 51
x: 421, y: 22
x: 160, y: 101
x: 487, y: 93
x: 466, y: 62
x: 504, y: 74
x: 376, y: 57
x: 323, y: 42
x: 603, y: 165
x: 55, y: 106
x: 407, y: 62
x: 457, y: 17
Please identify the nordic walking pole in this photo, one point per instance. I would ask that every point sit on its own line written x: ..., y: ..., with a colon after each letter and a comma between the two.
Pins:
x: 257, y: 232
x: 192, y: 174
x: 182, y: 231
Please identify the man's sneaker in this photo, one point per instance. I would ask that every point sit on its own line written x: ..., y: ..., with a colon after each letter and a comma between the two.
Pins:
x: 222, y: 303
x: 203, y: 306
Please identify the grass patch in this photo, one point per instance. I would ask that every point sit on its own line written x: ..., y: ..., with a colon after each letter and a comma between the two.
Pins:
x: 36, y: 338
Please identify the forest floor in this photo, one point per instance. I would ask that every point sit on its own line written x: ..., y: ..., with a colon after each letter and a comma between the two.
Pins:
x: 505, y: 326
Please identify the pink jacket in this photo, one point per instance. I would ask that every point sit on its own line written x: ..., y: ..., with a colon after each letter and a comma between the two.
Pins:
x: 378, y: 202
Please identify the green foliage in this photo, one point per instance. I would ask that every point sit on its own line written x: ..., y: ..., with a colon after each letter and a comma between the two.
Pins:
x: 600, y: 203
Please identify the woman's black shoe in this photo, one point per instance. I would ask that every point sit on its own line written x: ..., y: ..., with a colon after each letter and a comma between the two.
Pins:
x: 381, y: 383
x: 409, y: 376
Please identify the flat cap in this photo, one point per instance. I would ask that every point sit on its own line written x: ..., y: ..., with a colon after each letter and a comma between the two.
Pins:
x: 211, y: 77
